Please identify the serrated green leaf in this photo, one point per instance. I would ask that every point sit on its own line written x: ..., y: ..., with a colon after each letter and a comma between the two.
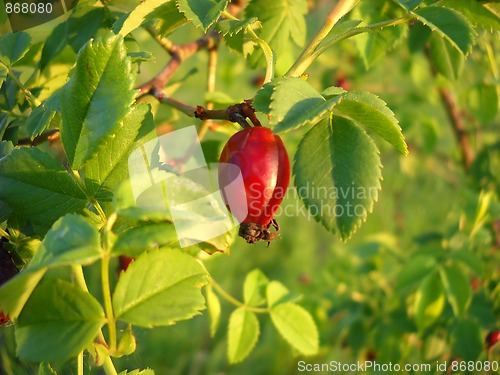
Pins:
x: 169, y: 18
x: 295, y: 102
x: 466, y: 340
x: 109, y: 167
x: 160, y: 288
x: 457, y: 288
x: 13, y: 46
x: 297, y: 327
x: 67, y: 323
x: 254, y: 288
x: 283, y: 25
x: 137, y: 16
x: 414, y: 271
x: 429, y: 301
x: 418, y: 36
x: 15, y: 292
x: 449, y: 24
x: 243, y: 333
x: 38, y: 187
x: 39, y: 120
x: 374, y: 45
x: 276, y: 293
x: 337, y: 157
x: 213, y: 305
x: 369, y: 110
x: 71, y: 240
x: 447, y: 59
x: 203, y: 13
x: 232, y: 27
x: 135, y: 241
x: 240, y: 43
x: 96, y: 98
x: 475, y: 12
x: 262, y: 99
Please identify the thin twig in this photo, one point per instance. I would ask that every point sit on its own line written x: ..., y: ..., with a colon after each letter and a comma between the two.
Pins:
x: 234, y: 113
x: 47, y: 135
x: 178, y: 53
x: 456, y: 120
x: 458, y: 127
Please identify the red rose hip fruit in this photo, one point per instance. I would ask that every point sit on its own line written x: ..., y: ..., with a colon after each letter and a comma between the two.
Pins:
x: 265, y: 169
x: 492, y: 338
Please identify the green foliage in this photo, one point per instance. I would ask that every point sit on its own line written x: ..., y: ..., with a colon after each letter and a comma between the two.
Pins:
x: 13, y: 47
x: 243, y: 334
x: 107, y: 168
x: 296, y: 326
x: 295, y: 103
x: 449, y: 24
x: 96, y: 98
x: 429, y: 301
x: 160, y: 288
x: 68, y: 322
x: 38, y: 187
x: 137, y: 17
x: 457, y: 288
x: 370, y: 111
x: 342, y: 192
x: 283, y: 26
x: 214, y: 309
x: 374, y: 45
x: 202, y: 13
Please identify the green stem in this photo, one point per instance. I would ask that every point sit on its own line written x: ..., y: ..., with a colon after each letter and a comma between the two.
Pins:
x: 4, y: 233
x: 34, y: 101
x: 109, y: 367
x: 80, y: 363
x: 234, y: 301
x: 99, y: 210
x: 340, y: 10
x: 80, y: 281
x: 108, y: 305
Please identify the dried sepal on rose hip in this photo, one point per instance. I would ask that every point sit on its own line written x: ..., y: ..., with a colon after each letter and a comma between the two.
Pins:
x: 265, y: 169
